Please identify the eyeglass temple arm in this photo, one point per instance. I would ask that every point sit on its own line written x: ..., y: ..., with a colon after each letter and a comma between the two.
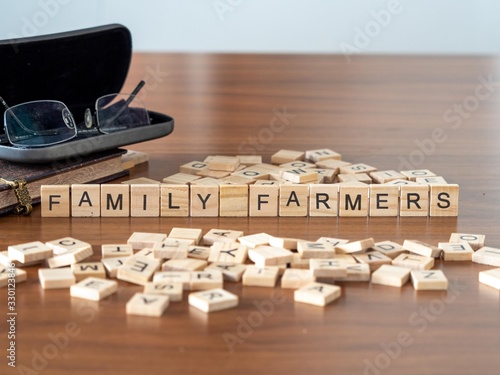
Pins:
x: 15, y: 117
x: 3, y: 103
x: 130, y: 98
x: 138, y: 88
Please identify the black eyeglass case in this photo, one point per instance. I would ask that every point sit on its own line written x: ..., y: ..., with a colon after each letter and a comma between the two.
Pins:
x: 75, y: 68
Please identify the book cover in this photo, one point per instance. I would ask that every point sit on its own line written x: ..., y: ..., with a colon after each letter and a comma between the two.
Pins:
x: 99, y: 167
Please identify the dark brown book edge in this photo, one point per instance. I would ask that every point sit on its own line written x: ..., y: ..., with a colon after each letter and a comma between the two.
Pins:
x: 100, y: 168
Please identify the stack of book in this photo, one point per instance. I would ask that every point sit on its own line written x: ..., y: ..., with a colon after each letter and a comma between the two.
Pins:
x: 95, y: 168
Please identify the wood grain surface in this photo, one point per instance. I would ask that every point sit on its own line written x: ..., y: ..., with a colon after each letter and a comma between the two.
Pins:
x: 392, y: 112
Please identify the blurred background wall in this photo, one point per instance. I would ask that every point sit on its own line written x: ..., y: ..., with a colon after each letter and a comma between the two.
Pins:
x: 273, y: 26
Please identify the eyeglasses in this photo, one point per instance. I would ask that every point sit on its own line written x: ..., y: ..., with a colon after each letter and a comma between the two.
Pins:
x: 44, y: 123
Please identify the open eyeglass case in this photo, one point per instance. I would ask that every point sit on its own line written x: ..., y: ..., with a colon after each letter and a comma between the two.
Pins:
x: 75, y: 68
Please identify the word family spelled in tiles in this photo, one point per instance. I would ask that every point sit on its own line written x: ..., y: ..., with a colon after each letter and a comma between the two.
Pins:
x: 294, y: 183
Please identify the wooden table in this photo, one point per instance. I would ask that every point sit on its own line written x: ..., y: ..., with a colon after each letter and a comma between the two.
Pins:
x: 381, y: 110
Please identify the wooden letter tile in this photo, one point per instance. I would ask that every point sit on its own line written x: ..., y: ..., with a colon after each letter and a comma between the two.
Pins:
x: 199, y: 252
x: 140, y: 240
x: 68, y: 251
x: 254, y: 240
x: 171, y: 248
x: 207, y: 279
x: 328, y: 268
x: 174, y: 277
x: 295, y: 278
x: 56, y: 278
x: 321, y: 250
x: 144, y: 200
x: 213, y: 300
x: 355, y: 247
x: 413, y: 262
x: 444, y: 200
x: 317, y: 294
x: 147, y: 252
x: 174, y: 200
x: 328, y: 175
x: 323, y: 200
x: 354, y: 177
x: 287, y: 156
x: 193, y: 167
x: 456, y: 251
x: 236, y: 180
x: 270, y: 256
x: 384, y: 200
x: 256, y: 276
x: 205, y: 200
x: 431, y: 180
x: 138, y: 270
x: 402, y: 182
x: 89, y: 269
x: 322, y: 154
x: 115, y: 251
x: 422, y: 248
x: 389, y: 248
x: 250, y: 159
x: 253, y: 174
x: 112, y: 265
x: 356, y: 273
x: 293, y: 200
x: 299, y: 263
x: 6, y: 275
x: 85, y: 200
x: 414, y: 200
x: 221, y: 235
x: 334, y: 241
x: 233, y: 200
x: 391, y: 276
x: 476, y: 241
x: 358, y: 168
x: 374, y: 259
x: 429, y: 280
x: 296, y: 164
x: 284, y: 243
x: 299, y: 175
x: 184, y: 265
x: 115, y: 200
x: 147, y: 304
x: 224, y: 163
x: 230, y: 271
x: 333, y: 164
x: 487, y: 255
x: 353, y: 200
x: 180, y: 179
x: 412, y: 175
x: 383, y: 177
x: 194, y: 234
x: 490, y: 278
x: 228, y: 252
x: 172, y: 289
x: 263, y: 200
x: 55, y: 201
x: 93, y: 289
x: 141, y: 181
x: 30, y: 252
